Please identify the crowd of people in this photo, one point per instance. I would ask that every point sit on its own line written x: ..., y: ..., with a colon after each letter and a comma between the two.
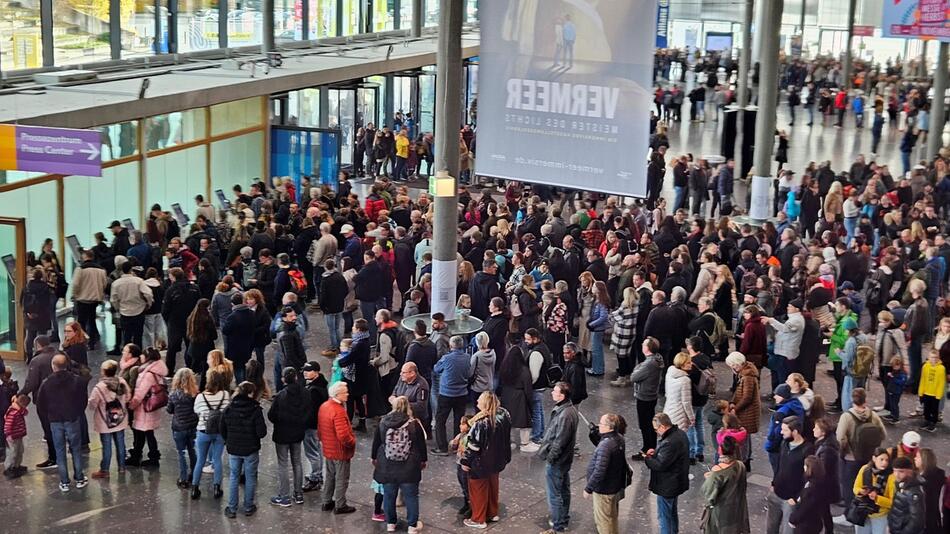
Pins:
x: 854, y: 270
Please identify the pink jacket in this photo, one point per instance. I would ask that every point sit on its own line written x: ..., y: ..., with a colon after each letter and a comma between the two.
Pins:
x: 149, y: 374
x: 101, y: 394
x: 739, y: 435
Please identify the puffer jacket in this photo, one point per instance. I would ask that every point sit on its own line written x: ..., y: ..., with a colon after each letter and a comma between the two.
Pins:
x: 646, y: 378
x: 704, y: 283
x: 333, y: 429
x: 746, y: 397
x: 488, y: 450
x: 408, y: 471
x: 483, y: 370
x: 106, y: 391
x: 243, y: 426
x: 907, y: 511
x: 679, y: 400
x: 773, y: 438
x: 606, y: 472
x: 182, y: 407
x: 288, y: 412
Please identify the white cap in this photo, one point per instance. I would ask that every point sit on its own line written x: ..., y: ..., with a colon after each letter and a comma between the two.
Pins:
x: 911, y: 439
x: 346, y: 228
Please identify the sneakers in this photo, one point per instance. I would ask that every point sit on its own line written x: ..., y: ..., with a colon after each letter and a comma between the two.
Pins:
x: 15, y: 472
x: 931, y: 428
x: 230, y: 513
x: 439, y: 452
x: 390, y: 527
x: 208, y: 469
x: 283, y: 502
x: 48, y: 464
x: 347, y: 509
x: 250, y: 511
x: 298, y: 498
x: 82, y: 483
x: 531, y: 447
x: 379, y: 518
x: 878, y: 408
x: 841, y: 520
x: 417, y: 528
x: 473, y: 524
x: 100, y: 474
x: 494, y: 519
x: 311, y: 485
x: 620, y: 382
x: 63, y: 487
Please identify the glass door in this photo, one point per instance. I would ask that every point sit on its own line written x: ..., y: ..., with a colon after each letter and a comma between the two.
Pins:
x: 426, y: 103
x: 13, y: 256
x: 366, y: 98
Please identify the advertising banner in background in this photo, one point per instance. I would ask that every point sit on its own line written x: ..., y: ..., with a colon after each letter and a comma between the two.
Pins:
x: 916, y: 19
x: 662, y: 23
x: 565, y: 91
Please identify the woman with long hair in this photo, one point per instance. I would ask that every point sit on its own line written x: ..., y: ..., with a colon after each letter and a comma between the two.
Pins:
x: 254, y: 373
x: 724, y: 301
x: 528, y: 305
x: 181, y: 405
x: 622, y: 340
x: 400, y: 475
x: 255, y: 301
x: 200, y: 335
x: 152, y: 372
x: 806, y: 514
x: 875, y: 483
x: 934, y: 479
x: 486, y: 454
x: 585, y: 304
x: 597, y: 324
x: 209, y: 442
x: 465, y: 276
x: 219, y: 363
x: 75, y: 345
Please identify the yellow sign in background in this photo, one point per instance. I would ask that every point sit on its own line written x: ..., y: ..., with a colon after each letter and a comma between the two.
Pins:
x: 7, y: 146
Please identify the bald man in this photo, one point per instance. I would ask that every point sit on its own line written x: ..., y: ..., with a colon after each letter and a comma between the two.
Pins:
x: 63, y: 397
x: 415, y: 389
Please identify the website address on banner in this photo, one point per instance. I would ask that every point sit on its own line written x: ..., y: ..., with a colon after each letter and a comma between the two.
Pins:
x: 558, y: 165
x: 569, y: 135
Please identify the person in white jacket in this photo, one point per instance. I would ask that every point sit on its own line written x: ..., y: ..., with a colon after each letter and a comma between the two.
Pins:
x: 679, y: 399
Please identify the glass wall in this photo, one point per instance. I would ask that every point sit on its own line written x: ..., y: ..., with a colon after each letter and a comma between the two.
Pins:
x: 138, y: 28
x: 163, y: 131
x: 21, y: 46
x: 236, y: 161
x: 176, y: 177
x: 323, y: 15
x: 37, y: 203
x: 246, y: 22
x: 237, y: 115
x: 351, y: 17
x: 81, y: 31
x: 197, y: 25
x: 8, y: 290
x: 119, y: 140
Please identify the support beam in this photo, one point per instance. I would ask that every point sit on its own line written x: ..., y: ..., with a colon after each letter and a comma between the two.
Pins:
x: 922, y: 66
x: 768, y: 35
x: 324, y: 107
x: 389, y: 100
x: 801, y: 22
x: 448, y: 102
x: 937, y: 113
x: 46, y: 31
x: 742, y: 93
x: 115, y: 30
x: 267, y: 40
x: 846, y: 69
x: 418, y: 17
x: 223, y: 24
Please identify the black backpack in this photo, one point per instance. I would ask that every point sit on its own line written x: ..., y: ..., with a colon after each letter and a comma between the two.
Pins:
x: 215, y: 419
x: 400, y: 343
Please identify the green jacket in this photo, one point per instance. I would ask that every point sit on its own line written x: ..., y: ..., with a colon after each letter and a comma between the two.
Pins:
x: 839, y: 337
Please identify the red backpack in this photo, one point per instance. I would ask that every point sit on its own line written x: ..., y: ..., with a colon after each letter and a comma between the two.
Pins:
x: 298, y: 282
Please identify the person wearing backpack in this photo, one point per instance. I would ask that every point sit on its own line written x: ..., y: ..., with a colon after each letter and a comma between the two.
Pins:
x: 859, y: 432
x: 289, y: 412
x: 390, y: 351
x: 108, y: 403
x: 148, y: 393
x: 703, y: 385
x: 399, y: 456
x: 209, y: 407
x: 543, y: 373
x: 242, y: 428
x: 857, y: 357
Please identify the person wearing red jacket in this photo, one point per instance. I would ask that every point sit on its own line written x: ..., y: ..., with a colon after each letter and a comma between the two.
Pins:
x: 339, y: 446
x: 14, y: 428
x: 841, y: 105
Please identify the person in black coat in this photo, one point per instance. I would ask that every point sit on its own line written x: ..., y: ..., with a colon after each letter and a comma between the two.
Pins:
x: 180, y: 299
x: 238, y: 331
x: 243, y: 427
x: 35, y: 299
x: 399, y: 476
x: 362, y: 378
x: 302, y: 241
x: 811, y: 210
x: 811, y: 349
x: 806, y: 516
x: 496, y: 326
x: 333, y: 292
x: 574, y: 374
x: 372, y: 283
x: 669, y: 469
x: 317, y: 387
x: 404, y: 263
x: 827, y: 450
x: 289, y: 412
x: 483, y: 288
x: 267, y: 280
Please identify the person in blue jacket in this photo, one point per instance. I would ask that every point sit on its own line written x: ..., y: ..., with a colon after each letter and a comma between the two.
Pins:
x: 597, y: 324
x: 786, y: 405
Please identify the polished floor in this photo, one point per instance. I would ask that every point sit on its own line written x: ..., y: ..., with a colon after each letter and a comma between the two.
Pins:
x: 148, y: 500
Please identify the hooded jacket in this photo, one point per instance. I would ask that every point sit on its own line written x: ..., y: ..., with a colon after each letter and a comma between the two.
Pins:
x: 482, y: 288
x: 243, y: 426
x: 395, y: 472
x: 238, y: 331
x: 482, y: 364
x: 89, y: 283
x: 646, y: 378
x: 422, y: 352
x: 333, y: 292
x: 106, y: 391
x: 288, y: 412
x: 773, y: 438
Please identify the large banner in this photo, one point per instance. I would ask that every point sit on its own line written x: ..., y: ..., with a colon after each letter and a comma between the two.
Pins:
x: 565, y: 92
x: 916, y: 19
x: 662, y: 23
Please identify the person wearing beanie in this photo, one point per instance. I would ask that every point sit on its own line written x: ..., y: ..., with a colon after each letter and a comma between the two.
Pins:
x: 907, y: 511
x: 786, y: 405
x: 788, y: 339
x: 854, y: 377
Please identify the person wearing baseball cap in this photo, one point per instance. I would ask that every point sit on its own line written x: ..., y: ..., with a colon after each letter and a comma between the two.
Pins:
x: 788, y: 339
x: 120, y: 239
x: 317, y: 387
x: 352, y: 247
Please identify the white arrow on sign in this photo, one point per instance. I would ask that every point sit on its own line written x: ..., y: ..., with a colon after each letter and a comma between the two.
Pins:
x: 93, y: 151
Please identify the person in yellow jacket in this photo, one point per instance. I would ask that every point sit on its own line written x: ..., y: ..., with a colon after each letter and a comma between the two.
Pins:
x: 402, y: 154
x: 875, y: 481
x: 933, y: 386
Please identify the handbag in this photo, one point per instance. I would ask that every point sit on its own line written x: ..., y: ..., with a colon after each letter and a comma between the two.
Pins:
x: 157, y: 396
x: 859, y: 509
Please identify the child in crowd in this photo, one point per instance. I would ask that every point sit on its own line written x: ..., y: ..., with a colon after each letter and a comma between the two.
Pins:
x: 181, y: 404
x: 896, y: 380
x: 337, y: 372
x: 458, y: 445
x: 714, y: 419
x: 378, y: 513
x: 933, y: 385
x: 14, y: 427
x: 464, y: 303
x: 731, y: 427
x: 8, y: 390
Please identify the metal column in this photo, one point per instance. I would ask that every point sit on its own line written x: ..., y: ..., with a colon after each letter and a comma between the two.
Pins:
x: 46, y: 31
x: 389, y: 100
x: 846, y: 69
x: 448, y: 102
x: 742, y: 96
x: 267, y: 40
x: 223, y: 24
x: 801, y: 22
x: 935, y: 137
x: 922, y: 67
x: 115, y: 29
x: 418, y: 16
x: 324, y: 107
x: 768, y: 34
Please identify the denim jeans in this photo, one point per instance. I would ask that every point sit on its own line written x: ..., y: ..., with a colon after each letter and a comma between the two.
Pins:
x: 410, y: 495
x: 67, y: 433
x: 537, y: 415
x: 314, y: 453
x: 669, y: 518
x: 850, y: 225
x: 107, y: 440
x: 369, y: 309
x: 288, y: 453
x: 697, y: 442
x: 333, y: 326
x: 187, y: 459
x: 208, y: 444
x: 874, y: 525
x: 679, y: 196
x: 249, y: 466
x: 558, y: 479
x: 905, y: 162
x: 892, y: 404
x: 597, y: 353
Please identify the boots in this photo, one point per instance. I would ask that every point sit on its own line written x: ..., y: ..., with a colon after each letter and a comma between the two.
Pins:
x: 217, y: 491
x: 195, y: 493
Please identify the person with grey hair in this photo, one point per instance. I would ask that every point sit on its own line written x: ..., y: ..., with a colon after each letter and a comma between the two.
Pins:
x: 453, y: 371
x: 339, y: 446
x: 482, y: 364
x: 321, y: 249
x: 245, y: 269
